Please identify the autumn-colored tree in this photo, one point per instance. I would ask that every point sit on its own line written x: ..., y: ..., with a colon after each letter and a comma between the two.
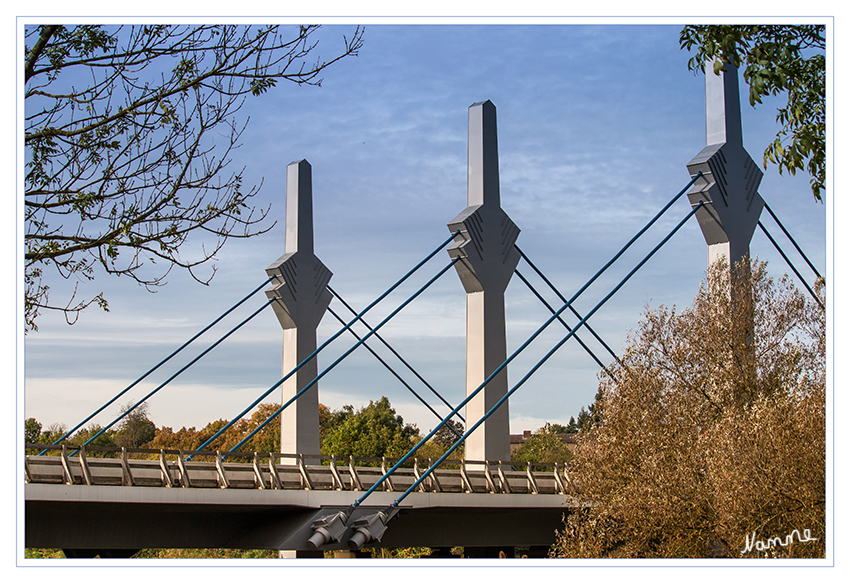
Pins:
x: 167, y: 438
x: 266, y: 440
x: 324, y: 416
x: 711, y: 436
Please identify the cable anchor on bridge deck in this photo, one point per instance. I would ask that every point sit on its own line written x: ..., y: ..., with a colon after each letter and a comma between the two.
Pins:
x: 330, y: 528
x: 371, y: 527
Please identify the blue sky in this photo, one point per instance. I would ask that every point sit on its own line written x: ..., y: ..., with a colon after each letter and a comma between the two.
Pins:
x: 596, y: 124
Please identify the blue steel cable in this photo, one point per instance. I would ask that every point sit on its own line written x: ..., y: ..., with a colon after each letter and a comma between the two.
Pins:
x: 394, y: 373
x: 163, y: 361
x: 531, y: 338
x: 563, y: 299
x: 341, y: 358
x: 397, y: 355
x: 328, y: 341
x: 567, y: 326
x: 793, y: 242
x: 791, y: 265
x: 172, y: 377
x: 536, y: 366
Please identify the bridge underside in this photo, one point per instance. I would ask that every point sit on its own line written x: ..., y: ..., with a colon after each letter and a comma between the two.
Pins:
x: 85, y: 517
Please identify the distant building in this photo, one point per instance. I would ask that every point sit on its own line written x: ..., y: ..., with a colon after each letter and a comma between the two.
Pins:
x: 518, y: 439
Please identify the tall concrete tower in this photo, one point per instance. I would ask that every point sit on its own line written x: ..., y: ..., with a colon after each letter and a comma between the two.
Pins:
x: 301, y: 298
x: 488, y: 258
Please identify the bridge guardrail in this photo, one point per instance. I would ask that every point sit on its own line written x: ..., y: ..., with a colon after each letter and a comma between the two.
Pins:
x: 169, y: 468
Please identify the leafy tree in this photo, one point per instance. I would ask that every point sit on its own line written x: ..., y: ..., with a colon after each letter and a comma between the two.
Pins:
x: 43, y: 554
x: 400, y: 553
x: 167, y: 438
x: 135, y: 429
x: 558, y: 428
x: 435, y: 447
x: 32, y: 430
x: 700, y: 449
x: 266, y: 440
x: 544, y: 446
x: 32, y: 433
x: 372, y: 431
x: 778, y: 59
x: 329, y: 420
x: 53, y: 432
x: 446, y: 437
x: 105, y: 439
x: 324, y: 414
x: 587, y: 418
x: 583, y: 421
x: 128, y: 133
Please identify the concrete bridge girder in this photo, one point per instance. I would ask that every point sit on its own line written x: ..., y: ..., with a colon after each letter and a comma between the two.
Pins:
x: 95, y: 517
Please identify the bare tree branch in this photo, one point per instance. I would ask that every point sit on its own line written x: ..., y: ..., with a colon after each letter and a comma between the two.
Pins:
x: 128, y: 136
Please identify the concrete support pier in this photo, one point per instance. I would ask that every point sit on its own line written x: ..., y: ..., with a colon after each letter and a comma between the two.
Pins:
x: 301, y: 298
x: 485, y: 245
x: 730, y: 181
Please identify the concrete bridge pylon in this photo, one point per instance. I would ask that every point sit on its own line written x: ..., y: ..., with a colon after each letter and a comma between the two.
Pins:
x: 488, y: 258
x: 301, y: 298
x: 730, y: 181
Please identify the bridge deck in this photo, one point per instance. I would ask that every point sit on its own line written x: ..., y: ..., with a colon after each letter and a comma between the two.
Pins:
x: 85, y: 502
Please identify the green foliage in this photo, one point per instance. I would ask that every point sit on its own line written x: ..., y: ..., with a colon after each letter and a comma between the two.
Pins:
x: 105, y: 439
x: 135, y: 429
x: 43, y: 554
x: 433, y: 451
x: 52, y: 433
x: 447, y: 435
x: 206, y: 554
x: 778, y: 59
x: 440, y: 443
x: 373, y: 431
x: 135, y: 434
x: 544, y: 446
x: 331, y: 420
x: 128, y: 137
x: 33, y: 434
x: 400, y: 553
x: 32, y: 430
x: 558, y: 428
x: 588, y: 418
